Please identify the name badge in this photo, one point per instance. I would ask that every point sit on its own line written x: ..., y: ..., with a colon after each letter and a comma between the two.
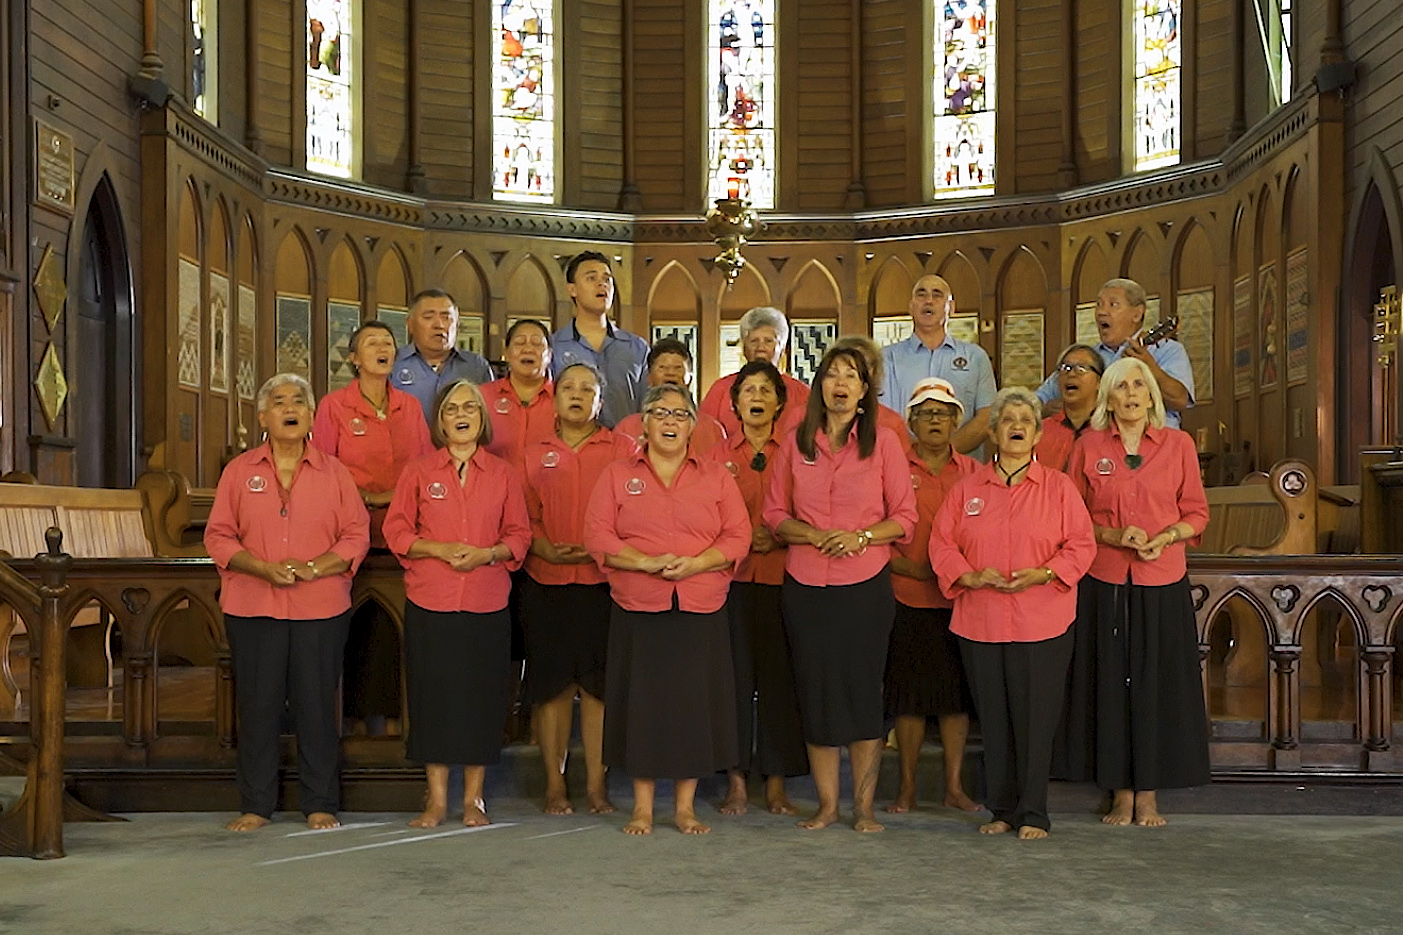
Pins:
x: 437, y: 491
x: 257, y: 483
x: 357, y: 426
x: 1105, y: 466
x: 405, y: 376
x: 504, y: 406
x: 550, y: 459
x: 915, y: 482
x: 960, y: 363
x: 635, y: 486
x: 731, y: 466
x: 974, y: 506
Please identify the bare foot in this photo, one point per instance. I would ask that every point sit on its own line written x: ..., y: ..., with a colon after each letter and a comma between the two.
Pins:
x: 866, y: 824
x: 475, y: 814
x: 558, y: 803
x: 431, y: 818
x: 735, y: 803
x: 639, y: 824
x: 247, y: 822
x: 1122, y: 808
x: 320, y: 821
x: 995, y: 827
x: 780, y: 805
x: 820, y: 819
x: 958, y: 799
x: 599, y: 803
x: 1030, y: 833
x: 687, y: 823
x: 1147, y: 811
x: 905, y: 802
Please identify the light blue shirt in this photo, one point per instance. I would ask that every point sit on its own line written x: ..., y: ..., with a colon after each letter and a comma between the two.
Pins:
x: 965, y: 365
x: 622, y: 364
x: 413, y: 374
x: 1171, y: 356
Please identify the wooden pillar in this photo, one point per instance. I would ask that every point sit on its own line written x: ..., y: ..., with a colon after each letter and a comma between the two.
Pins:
x: 1238, y: 125
x: 1378, y: 703
x: 1067, y: 175
x: 1286, y: 699
x: 151, y: 64
x: 414, y: 179
x: 630, y: 199
x: 856, y: 198
x: 252, y: 138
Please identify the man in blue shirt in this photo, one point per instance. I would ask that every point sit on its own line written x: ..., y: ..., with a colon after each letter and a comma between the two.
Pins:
x: 621, y: 358
x: 932, y: 352
x: 1120, y: 314
x: 431, y: 360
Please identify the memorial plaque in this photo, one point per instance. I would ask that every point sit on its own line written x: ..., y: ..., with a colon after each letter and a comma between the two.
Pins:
x: 53, y: 168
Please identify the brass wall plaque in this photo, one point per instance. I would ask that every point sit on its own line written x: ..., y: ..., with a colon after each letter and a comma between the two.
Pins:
x: 52, y: 387
x: 53, y: 168
x: 49, y: 287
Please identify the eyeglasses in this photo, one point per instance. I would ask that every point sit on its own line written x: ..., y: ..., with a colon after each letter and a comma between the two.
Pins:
x: 934, y: 415
x: 662, y: 415
x: 1076, y: 370
x: 467, y: 409
x: 758, y: 462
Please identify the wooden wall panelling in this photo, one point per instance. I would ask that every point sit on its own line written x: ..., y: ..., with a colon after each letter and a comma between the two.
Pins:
x: 216, y: 412
x: 449, y: 71
x: 530, y: 293
x: 1242, y: 334
x: 663, y: 71
x: 893, y: 92
x: 1297, y: 398
x: 821, y: 88
x: 280, y: 116
x: 1271, y: 366
x: 384, y: 44
x: 1214, y: 73
x: 591, y: 121
x: 1036, y: 92
x: 1098, y: 91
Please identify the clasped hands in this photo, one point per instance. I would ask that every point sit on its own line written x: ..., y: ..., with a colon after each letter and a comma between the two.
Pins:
x: 288, y: 572
x: 672, y: 567
x: 1146, y: 547
x: 460, y: 556
x: 566, y: 553
x: 1021, y: 580
x: 838, y: 543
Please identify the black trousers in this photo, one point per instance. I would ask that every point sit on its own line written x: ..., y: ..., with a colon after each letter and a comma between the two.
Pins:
x: 1018, y: 690
x: 297, y: 664
x: 768, y: 726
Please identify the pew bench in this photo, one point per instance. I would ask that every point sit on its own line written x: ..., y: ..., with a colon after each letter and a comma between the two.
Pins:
x: 1282, y: 513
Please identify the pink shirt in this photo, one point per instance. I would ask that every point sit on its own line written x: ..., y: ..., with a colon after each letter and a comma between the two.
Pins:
x: 487, y: 509
x: 706, y: 434
x: 931, y: 490
x: 559, y: 481
x: 322, y: 512
x: 1055, y: 446
x: 1039, y: 523
x: 840, y: 491
x: 1165, y: 489
x: 375, y: 450
x: 517, y: 426
x: 702, y: 509
x: 736, y: 455
x: 717, y: 404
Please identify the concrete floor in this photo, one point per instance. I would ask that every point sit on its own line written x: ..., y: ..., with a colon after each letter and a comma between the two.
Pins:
x: 930, y: 872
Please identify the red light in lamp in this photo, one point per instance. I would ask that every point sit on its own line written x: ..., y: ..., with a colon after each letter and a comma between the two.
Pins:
x: 733, y: 188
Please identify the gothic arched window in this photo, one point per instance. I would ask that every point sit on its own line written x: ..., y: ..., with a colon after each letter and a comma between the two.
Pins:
x: 1158, y: 60
x: 741, y: 91
x: 331, y: 76
x: 963, y: 126
x: 204, y: 58
x: 523, y: 100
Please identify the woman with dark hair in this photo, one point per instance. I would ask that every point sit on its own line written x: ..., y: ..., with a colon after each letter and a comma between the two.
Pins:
x: 564, y: 600
x: 287, y: 532
x: 1078, y: 373
x: 840, y: 495
x: 767, y: 704
x: 458, y: 525
x: 520, y: 405
x: 667, y: 526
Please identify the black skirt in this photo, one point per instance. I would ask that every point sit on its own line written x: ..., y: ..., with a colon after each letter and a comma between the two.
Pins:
x: 925, y: 675
x: 567, y: 637
x: 1134, y: 717
x: 838, y: 635
x: 457, y: 665
x: 768, y: 725
x: 670, y: 705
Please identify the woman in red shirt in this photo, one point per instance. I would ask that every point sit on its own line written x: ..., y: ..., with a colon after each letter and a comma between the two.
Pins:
x: 1078, y: 376
x: 521, y: 404
x: 765, y: 693
x: 287, y: 532
x: 667, y: 526
x: 1009, y: 544
x: 1136, y: 720
x: 924, y: 675
x: 840, y: 495
x: 564, y: 600
x: 375, y: 429
x: 458, y: 525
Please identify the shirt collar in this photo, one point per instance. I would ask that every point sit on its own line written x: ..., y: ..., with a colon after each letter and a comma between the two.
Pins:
x: 1151, y: 432
x: 641, y: 457
x: 990, y: 474
x: 412, y: 350
x: 311, y: 455
x: 575, y: 330
x: 915, y: 341
x: 735, y: 442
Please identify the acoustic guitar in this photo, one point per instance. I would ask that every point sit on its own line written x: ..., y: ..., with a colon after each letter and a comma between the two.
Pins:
x: 1163, y: 331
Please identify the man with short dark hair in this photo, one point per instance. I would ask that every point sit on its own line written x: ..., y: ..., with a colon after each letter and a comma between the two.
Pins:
x: 431, y: 359
x: 620, y: 357
x: 670, y: 362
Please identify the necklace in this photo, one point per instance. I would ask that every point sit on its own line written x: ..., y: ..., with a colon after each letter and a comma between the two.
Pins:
x: 1008, y: 477
x: 382, y: 410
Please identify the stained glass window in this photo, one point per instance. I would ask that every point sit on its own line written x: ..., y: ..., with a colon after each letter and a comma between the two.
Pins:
x: 741, y: 90
x: 963, y: 128
x: 1283, y: 47
x: 204, y: 57
x: 523, y: 100
x: 1158, y: 57
x: 330, y: 71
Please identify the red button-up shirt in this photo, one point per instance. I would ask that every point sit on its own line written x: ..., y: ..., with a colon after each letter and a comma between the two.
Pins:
x: 736, y: 455
x: 1055, y: 446
x: 717, y: 404
x: 701, y: 510
x: 840, y: 491
x: 375, y: 450
x: 1165, y: 489
x: 322, y: 512
x: 706, y: 434
x: 931, y: 490
x: 517, y: 426
x: 559, y: 481
x: 1039, y: 523
x: 487, y: 509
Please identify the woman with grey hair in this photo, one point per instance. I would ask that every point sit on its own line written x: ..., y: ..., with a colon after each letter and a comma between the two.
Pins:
x: 1136, y: 719
x: 764, y: 334
x: 287, y: 531
x: 1009, y: 544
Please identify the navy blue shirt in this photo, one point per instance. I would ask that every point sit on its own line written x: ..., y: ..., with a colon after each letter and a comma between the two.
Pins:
x: 622, y: 364
x: 413, y: 374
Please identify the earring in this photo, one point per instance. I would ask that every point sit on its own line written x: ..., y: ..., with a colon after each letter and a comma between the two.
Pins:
x: 860, y: 410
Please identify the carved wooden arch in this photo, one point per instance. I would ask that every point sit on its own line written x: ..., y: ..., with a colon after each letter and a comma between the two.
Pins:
x: 333, y: 246
x: 213, y: 618
x: 478, y: 264
x: 956, y: 258
x: 1264, y: 616
x: 250, y: 227
x: 219, y: 209
x: 1267, y: 211
x: 550, y: 273
x: 1091, y: 244
x: 721, y: 285
x: 791, y: 283
x: 1383, y: 185
x: 1291, y: 189
x: 393, y: 609
x: 681, y: 268
x: 1393, y: 629
x: 1018, y: 253
x: 1328, y: 594
x: 1193, y: 226
x: 884, y: 269
x: 387, y: 249
x: 1141, y: 238
x: 295, y: 232
x: 191, y: 189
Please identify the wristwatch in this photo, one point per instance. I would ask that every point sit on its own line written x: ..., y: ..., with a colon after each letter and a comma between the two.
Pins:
x: 866, y: 536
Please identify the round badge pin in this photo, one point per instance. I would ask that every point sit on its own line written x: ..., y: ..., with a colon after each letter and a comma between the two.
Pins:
x: 915, y: 482
x: 1105, y: 466
x: 635, y: 486
x: 961, y: 363
x: 731, y: 466
x: 437, y: 491
x: 550, y: 459
x: 257, y: 483
x: 974, y: 506
x: 503, y: 406
x: 357, y: 427
x: 406, y: 376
